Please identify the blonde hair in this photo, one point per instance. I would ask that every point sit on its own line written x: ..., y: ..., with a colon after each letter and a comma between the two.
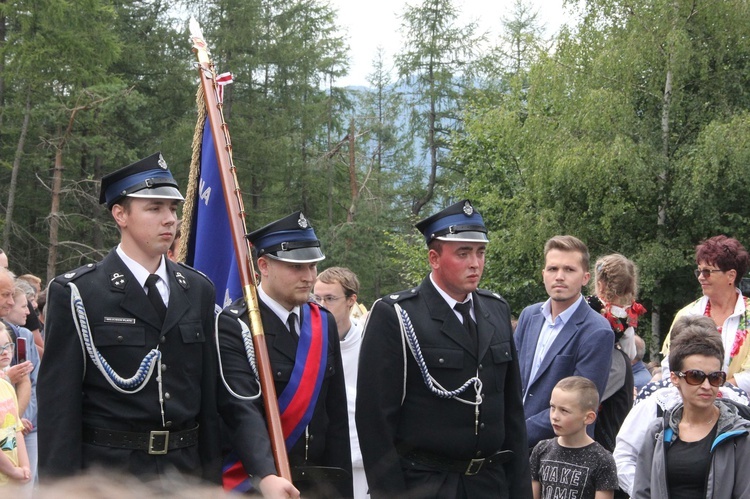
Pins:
x: 4, y: 329
x: 343, y: 276
x: 588, y: 395
x: 619, y: 278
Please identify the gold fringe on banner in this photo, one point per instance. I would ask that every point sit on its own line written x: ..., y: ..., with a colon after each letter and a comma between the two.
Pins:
x: 194, y: 177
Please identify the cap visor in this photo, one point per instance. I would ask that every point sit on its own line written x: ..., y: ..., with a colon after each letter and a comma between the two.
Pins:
x: 162, y: 192
x: 299, y: 255
x: 465, y: 237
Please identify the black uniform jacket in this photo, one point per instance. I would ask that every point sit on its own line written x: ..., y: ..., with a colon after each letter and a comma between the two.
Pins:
x: 390, y: 429
x: 73, y: 393
x: 327, y: 443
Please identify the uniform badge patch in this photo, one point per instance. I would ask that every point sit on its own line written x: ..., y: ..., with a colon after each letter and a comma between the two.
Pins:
x: 394, y: 297
x: 181, y: 280
x: 69, y: 275
x: 118, y: 280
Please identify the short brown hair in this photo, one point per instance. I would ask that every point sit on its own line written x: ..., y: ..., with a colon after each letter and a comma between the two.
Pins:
x: 619, y: 276
x: 727, y: 253
x: 343, y: 276
x: 694, y: 335
x: 568, y: 243
x: 588, y: 395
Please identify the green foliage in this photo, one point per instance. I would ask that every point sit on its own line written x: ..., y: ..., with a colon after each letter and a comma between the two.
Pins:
x: 594, y: 147
x: 581, y: 139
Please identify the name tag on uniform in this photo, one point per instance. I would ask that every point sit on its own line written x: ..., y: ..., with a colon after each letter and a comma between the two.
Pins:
x: 119, y: 320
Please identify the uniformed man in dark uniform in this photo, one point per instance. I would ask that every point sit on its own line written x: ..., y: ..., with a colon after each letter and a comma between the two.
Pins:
x: 303, y: 346
x: 439, y: 410
x: 129, y: 378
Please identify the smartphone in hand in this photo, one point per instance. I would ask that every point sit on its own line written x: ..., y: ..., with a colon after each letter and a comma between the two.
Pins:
x: 20, y: 350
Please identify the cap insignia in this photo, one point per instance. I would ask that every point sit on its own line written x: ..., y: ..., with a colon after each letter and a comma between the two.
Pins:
x: 468, y: 209
x: 302, y: 222
x: 162, y: 163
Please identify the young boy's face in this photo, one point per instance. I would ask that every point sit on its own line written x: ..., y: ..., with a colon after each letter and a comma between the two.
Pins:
x: 566, y: 414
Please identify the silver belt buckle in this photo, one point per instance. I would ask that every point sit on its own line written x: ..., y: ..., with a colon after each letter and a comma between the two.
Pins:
x: 474, y: 466
x: 155, y: 436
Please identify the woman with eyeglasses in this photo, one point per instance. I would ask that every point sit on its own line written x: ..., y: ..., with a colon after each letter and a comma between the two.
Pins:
x: 722, y: 262
x: 699, y: 448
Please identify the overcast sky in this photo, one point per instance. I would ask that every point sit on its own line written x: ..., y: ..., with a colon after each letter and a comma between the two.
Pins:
x: 370, y: 24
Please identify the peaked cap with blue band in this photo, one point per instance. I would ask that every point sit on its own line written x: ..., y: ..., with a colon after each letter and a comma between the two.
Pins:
x: 146, y: 178
x: 458, y: 222
x: 291, y: 239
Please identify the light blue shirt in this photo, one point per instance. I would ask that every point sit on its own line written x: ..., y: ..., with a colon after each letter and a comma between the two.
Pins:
x: 550, y: 329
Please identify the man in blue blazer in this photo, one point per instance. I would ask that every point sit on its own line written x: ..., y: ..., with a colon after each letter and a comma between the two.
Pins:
x: 561, y: 337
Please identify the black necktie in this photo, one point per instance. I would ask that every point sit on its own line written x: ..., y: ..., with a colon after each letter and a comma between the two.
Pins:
x: 465, y: 310
x: 155, y: 297
x: 291, y: 322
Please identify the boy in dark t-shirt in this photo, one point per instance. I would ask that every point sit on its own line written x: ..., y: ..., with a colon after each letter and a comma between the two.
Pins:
x: 572, y: 465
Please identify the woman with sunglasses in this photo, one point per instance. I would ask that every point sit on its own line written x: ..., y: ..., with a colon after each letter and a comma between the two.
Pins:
x: 700, y: 448
x: 722, y: 262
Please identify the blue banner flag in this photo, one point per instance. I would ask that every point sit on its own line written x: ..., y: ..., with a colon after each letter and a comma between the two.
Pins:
x: 210, y: 248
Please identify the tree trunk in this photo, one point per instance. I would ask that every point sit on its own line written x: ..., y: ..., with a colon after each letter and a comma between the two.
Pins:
x: 352, y: 175
x: 54, y: 215
x: 14, y: 173
x: 431, y: 124
x: 3, y: 29
x: 663, y: 178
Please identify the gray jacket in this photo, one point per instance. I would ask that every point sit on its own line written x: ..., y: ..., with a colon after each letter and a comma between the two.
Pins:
x: 727, y: 476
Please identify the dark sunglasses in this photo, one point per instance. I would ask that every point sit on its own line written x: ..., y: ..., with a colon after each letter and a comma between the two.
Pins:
x: 706, y: 272
x: 696, y: 377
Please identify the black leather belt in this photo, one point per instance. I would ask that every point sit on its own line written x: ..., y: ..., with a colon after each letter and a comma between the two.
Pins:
x: 154, y: 442
x: 464, y: 466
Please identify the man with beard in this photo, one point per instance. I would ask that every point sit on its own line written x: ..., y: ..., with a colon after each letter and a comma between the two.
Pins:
x: 304, y: 350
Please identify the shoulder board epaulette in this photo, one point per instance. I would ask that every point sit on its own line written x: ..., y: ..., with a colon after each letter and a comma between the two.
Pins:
x: 75, y: 274
x: 490, y: 294
x: 193, y: 269
x: 401, y: 295
x: 237, y: 309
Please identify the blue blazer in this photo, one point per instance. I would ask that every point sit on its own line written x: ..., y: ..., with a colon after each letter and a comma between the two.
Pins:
x: 582, y: 348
